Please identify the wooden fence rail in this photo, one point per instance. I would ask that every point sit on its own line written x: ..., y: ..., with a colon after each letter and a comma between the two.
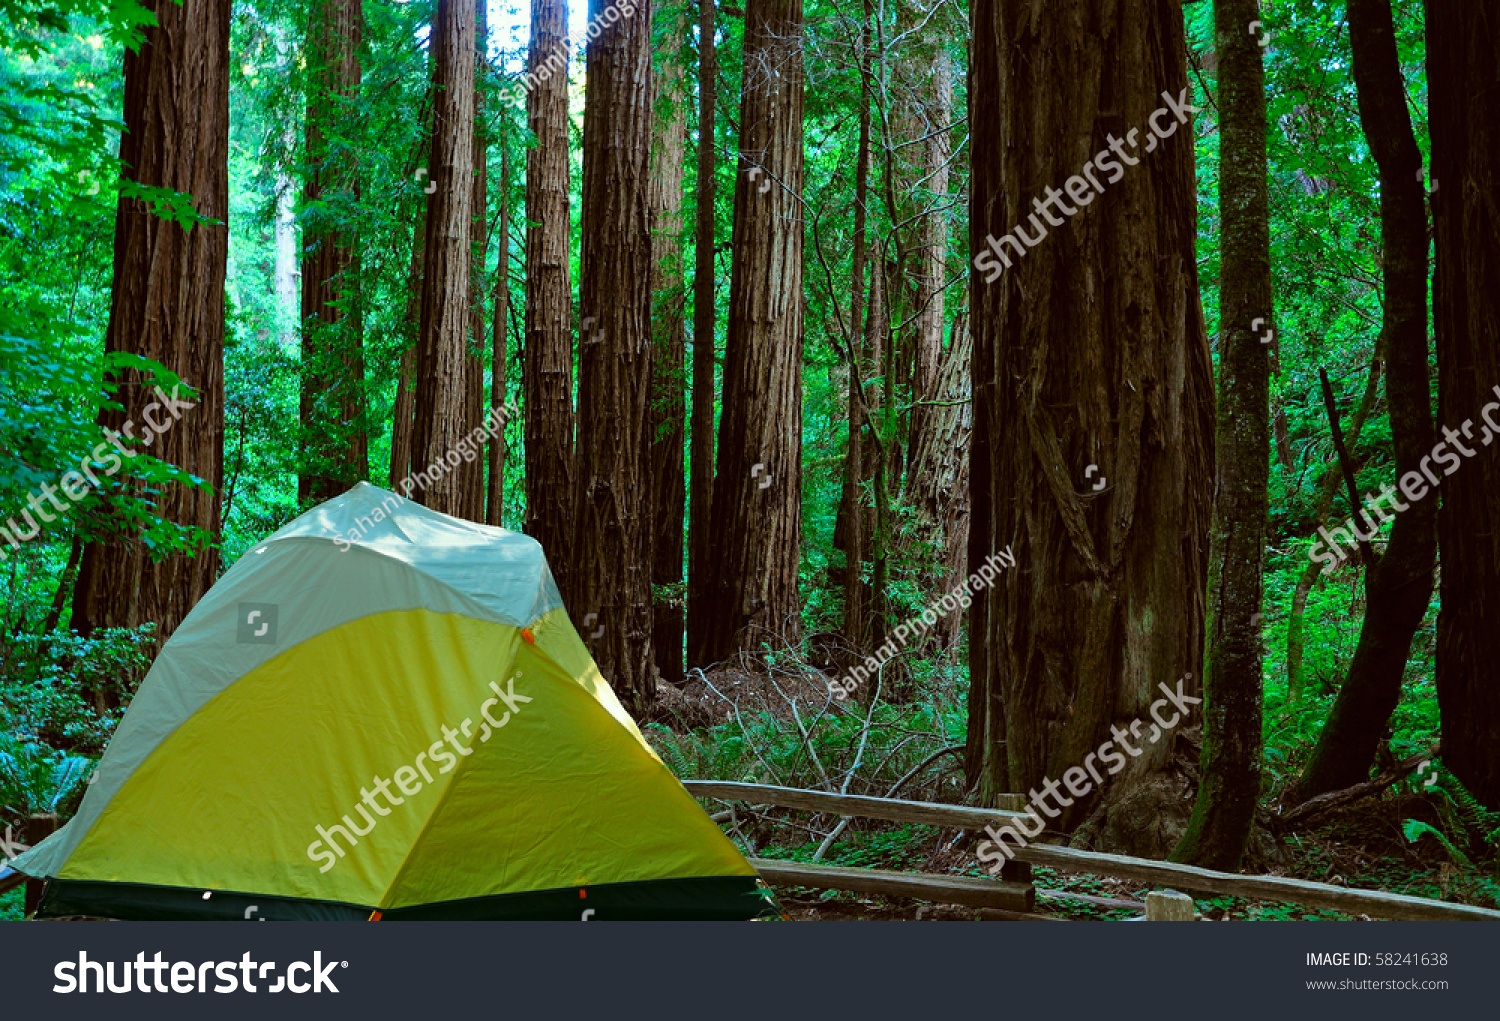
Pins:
x: 1374, y: 903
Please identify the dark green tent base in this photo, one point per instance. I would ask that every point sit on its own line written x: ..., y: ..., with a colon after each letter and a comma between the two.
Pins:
x: 717, y: 898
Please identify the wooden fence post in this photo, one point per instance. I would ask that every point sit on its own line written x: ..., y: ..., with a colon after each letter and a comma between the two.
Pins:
x: 1169, y: 906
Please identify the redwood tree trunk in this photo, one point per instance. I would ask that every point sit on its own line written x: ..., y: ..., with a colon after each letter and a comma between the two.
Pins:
x: 167, y: 303
x: 441, y: 416
x: 757, y: 518
x: 855, y: 597
x: 612, y: 495
x: 1463, y: 67
x: 335, y: 439
x: 669, y: 341
x: 1398, y: 586
x: 474, y: 408
x: 699, y: 588
x: 1090, y: 349
x: 921, y: 117
x: 547, y: 372
x: 1229, y: 765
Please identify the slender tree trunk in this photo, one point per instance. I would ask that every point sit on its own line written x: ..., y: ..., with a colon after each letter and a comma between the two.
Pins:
x: 495, y: 502
x: 404, y: 412
x: 612, y: 495
x: 167, y: 304
x: 547, y: 370
x: 1398, y: 586
x: 1296, y: 679
x: 937, y: 479
x: 1229, y: 764
x: 920, y: 117
x: 64, y: 586
x: 854, y: 470
x: 479, y: 224
x: 880, y: 342
x: 669, y: 340
x: 1094, y: 352
x: 335, y: 452
x: 441, y: 354
x: 700, y: 569
x: 1463, y: 67
x: 757, y: 519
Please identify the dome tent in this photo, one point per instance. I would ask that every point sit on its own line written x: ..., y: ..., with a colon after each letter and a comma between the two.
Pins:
x: 384, y: 712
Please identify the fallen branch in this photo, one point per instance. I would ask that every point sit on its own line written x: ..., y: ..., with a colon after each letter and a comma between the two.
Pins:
x: 1312, y: 807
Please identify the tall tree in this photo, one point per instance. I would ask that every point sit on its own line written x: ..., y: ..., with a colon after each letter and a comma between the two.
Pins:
x: 612, y: 491
x: 335, y: 440
x: 920, y: 152
x: 1229, y: 784
x: 1399, y: 583
x: 441, y: 349
x: 1089, y: 349
x: 1463, y: 68
x: 757, y: 504
x: 669, y: 341
x: 701, y: 483
x: 547, y: 372
x: 403, y: 413
x: 479, y: 228
x: 855, y: 545
x: 167, y: 304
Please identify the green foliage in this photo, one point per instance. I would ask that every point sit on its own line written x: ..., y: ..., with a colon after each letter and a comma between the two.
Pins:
x: 70, y: 691
x: 35, y: 779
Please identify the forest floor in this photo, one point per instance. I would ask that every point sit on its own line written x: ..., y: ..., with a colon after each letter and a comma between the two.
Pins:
x: 741, y: 725
x: 1362, y: 848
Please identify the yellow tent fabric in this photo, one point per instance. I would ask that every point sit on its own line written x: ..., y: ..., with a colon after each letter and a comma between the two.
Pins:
x: 384, y: 711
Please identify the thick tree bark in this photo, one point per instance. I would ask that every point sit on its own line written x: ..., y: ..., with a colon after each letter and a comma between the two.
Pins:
x: 1229, y: 765
x: 335, y: 452
x: 1463, y: 67
x: 701, y: 483
x: 612, y: 494
x: 1093, y: 351
x: 167, y: 304
x: 1398, y: 586
x: 669, y: 341
x: 757, y: 516
x: 547, y: 370
x: 495, y: 496
x: 441, y: 372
